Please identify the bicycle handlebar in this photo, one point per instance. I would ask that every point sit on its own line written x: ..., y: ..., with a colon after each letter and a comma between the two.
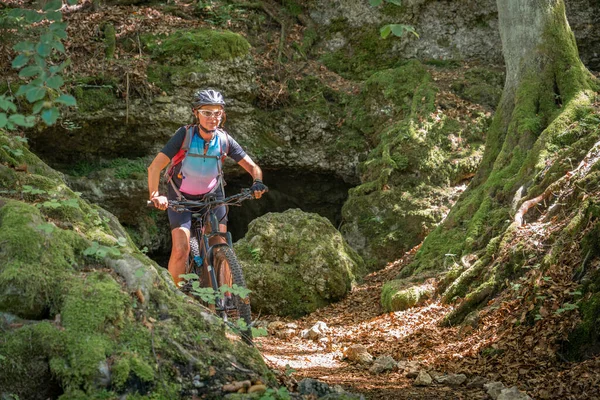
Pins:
x: 185, y: 205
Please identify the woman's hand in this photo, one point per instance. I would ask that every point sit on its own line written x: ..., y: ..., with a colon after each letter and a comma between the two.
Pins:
x: 160, y: 202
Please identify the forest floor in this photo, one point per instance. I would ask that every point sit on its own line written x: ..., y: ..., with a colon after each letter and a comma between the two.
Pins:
x: 497, y: 349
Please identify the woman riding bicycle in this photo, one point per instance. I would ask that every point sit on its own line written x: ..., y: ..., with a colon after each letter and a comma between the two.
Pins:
x: 196, y: 152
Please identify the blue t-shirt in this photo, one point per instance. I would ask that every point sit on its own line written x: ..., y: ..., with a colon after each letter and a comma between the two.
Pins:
x: 198, y: 175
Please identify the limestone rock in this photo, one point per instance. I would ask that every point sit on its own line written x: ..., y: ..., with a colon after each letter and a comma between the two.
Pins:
x: 513, y: 393
x: 295, y: 262
x: 383, y: 363
x: 423, y: 379
x: 476, y: 382
x: 358, y: 353
x: 409, y: 368
x: 317, y: 331
x: 494, y: 389
x: 451, y: 379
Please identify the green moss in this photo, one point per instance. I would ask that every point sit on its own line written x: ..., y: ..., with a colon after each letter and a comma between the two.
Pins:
x: 202, y: 44
x: 396, y: 296
x: 406, y: 177
x: 168, y: 77
x: 109, y: 41
x: 91, y: 99
x: 31, y: 275
x: 24, y: 360
x: 365, y: 53
x: 584, y: 340
x: 120, y: 372
x: 129, y: 169
x: 287, y: 273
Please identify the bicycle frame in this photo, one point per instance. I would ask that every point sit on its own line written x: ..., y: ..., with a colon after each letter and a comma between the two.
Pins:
x: 208, y: 215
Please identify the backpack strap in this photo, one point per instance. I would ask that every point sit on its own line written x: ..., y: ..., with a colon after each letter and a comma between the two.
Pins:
x: 178, y: 158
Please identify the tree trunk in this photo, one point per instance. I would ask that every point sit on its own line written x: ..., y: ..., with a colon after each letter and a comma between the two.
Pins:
x: 546, y: 85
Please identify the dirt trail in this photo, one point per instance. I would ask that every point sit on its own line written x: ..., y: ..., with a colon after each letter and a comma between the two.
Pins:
x: 359, y: 319
x: 494, y: 350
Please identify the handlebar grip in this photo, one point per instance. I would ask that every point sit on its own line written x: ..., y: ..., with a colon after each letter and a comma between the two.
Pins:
x: 150, y: 204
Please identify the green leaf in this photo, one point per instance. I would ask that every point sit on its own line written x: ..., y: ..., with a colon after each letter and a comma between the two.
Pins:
x: 90, y: 251
x: 18, y: 119
x: 73, y: 203
x: 37, y: 107
x: 66, y: 99
x: 16, y: 13
x: 187, y: 277
x: 62, y: 34
x: 31, y: 17
x: 30, y: 71
x: 54, y: 16
x: 57, y: 26
x: 400, y: 29
x: 121, y: 241
x: 44, y: 49
x: 3, y: 120
x: 24, y: 46
x: 20, y: 61
x: 55, y: 82
x: 46, y: 228
x: 396, y: 2
x: 6, y: 104
x: 50, y: 115
x: 35, y: 94
x: 53, y: 5
x: 39, y: 61
x: 385, y: 31
x: 139, y: 273
x: 51, y: 204
x: 47, y: 37
x: 23, y: 89
x: 58, y: 46
x: 375, y: 3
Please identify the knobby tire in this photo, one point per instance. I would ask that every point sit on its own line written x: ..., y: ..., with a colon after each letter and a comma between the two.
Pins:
x: 194, y: 252
x: 223, y: 257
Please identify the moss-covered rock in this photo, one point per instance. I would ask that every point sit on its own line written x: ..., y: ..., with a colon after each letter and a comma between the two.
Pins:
x: 398, y: 295
x: 408, y: 178
x: 76, y: 323
x: 203, y: 44
x: 295, y: 262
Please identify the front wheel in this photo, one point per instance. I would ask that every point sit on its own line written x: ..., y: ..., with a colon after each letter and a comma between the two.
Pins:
x: 229, y: 272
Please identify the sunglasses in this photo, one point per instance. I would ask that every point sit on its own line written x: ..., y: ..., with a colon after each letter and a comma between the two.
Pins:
x: 210, y: 113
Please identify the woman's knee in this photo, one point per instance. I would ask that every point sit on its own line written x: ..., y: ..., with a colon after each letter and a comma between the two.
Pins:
x: 181, y: 243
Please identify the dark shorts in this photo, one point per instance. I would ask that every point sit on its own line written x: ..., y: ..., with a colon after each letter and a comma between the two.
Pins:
x: 184, y: 219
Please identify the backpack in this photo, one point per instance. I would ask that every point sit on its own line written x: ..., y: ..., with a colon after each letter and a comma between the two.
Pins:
x: 185, y: 146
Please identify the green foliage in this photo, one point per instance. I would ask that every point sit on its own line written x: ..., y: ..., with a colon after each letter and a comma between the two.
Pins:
x: 35, y: 60
x: 99, y: 251
x: 207, y: 294
x: 276, y: 394
x: 395, y: 29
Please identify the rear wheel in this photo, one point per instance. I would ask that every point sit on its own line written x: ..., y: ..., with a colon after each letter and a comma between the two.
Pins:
x: 229, y: 272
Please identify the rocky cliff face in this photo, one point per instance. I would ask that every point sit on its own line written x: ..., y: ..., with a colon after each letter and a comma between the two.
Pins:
x: 450, y: 30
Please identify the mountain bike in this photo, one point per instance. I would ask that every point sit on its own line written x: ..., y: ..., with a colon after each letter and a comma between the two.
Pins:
x: 213, y: 264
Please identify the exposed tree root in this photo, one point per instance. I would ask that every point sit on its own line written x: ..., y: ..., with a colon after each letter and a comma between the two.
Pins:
x: 583, y: 168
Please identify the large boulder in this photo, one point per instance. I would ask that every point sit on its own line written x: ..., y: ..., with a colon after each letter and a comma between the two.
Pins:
x: 295, y: 262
